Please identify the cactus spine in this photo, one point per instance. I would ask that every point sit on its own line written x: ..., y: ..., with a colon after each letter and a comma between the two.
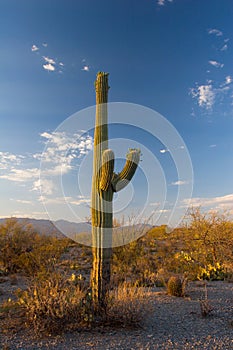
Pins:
x: 104, y: 183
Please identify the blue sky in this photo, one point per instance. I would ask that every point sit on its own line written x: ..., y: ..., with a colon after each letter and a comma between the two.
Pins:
x: 174, y: 57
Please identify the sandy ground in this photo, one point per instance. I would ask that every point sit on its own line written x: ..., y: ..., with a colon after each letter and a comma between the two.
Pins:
x: 174, y: 323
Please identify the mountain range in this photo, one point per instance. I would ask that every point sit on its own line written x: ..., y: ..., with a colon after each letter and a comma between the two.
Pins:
x: 55, y: 228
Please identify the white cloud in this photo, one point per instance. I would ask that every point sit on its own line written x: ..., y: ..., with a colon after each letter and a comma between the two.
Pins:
x: 44, y: 44
x: 59, y: 158
x: 62, y: 152
x: 65, y: 199
x: 212, y: 146
x: 163, y: 211
x: 76, y: 201
x: 9, y: 159
x: 228, y: 80
x: 49, y: 60
x: 162, y: 2
x: 22, y: 214
x: 61, y: 64
x: 21, y: 175
x: 45, y: 186
x: 163, y: 150
x: 216, y: 64
x: 49, y: 67
x: 34, y: 48
x: 179, y: 183
x: 63, y: 148
x: 153, y: 204
x: 86, y: 68
x: 22, y: 201
x: 224, y: 48
x: 221, y: 202
x: 215, y: 31
x: 205, y: 95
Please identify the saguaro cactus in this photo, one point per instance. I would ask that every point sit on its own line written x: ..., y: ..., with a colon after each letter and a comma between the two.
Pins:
x: 104, y: 183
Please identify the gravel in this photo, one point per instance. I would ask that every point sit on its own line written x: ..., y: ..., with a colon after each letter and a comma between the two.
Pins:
x: 174, y: 323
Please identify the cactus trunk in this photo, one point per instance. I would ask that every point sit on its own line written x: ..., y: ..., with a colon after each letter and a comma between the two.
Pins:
x: 101, y: 217
x: 104, y: 183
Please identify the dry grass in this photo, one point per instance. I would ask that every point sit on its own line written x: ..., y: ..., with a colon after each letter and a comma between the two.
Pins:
x: 54, y: 305
x: 127, y: 306
x: 57, y: 304
x: 205, y: 305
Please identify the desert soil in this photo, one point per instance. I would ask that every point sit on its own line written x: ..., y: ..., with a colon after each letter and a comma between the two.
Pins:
x: 174, y: 323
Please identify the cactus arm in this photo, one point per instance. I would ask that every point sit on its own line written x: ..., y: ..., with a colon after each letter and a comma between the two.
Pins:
x: 107, y: 169
x: 119, y: 181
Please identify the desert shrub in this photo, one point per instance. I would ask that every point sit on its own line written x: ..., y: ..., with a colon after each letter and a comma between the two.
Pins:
x: 132, y: 263
x: 55, y: 304
x: 22, y: 249
x: 58, y: 304
x: 14, y: 241
x: 175, y: 286
x: 205, y: 305
x: 127, y: 306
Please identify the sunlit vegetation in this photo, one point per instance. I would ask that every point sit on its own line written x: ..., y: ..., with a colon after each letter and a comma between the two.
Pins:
x: 57, y: 294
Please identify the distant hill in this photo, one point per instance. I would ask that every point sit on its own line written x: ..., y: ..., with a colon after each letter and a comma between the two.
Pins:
x: 58, y: 228
x: 81, y: 232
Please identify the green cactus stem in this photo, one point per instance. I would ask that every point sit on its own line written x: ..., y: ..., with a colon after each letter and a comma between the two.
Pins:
x: 104, y: 183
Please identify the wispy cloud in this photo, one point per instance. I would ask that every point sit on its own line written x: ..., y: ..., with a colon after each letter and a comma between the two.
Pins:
x: 224, y: 47
x: 49, y: 60
x: 8, y: 159
x: 205, y: 95
x: 34, y: 48
x: 212, y: 146
x: 215, y: 31
x: 60, y: 157
x: 68, y: 199
x: 20, y: 175
x: 63, y: 147
x: 161, y: 211
x: 162, y: 2
x: 216, y: 64
x: 46, y: 186
x: 61, y: 151
x: 154, y: 204
x: 209, y: 93
x: 22, y: 201
x: 179, y: 183
x: 221, y: 202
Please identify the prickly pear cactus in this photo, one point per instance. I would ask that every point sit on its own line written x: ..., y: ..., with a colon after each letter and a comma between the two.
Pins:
x: 104, y: 183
